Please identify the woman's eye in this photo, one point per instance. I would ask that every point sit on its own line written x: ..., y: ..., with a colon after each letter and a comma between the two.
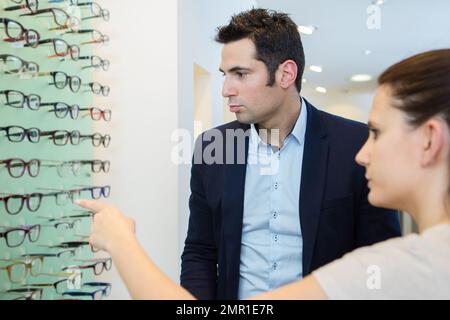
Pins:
x: 374, y: 133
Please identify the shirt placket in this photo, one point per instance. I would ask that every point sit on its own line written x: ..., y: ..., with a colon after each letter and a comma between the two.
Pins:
x: 275, y: 208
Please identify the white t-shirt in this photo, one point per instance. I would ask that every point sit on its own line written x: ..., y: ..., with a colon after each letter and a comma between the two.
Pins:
x: 411, y: 267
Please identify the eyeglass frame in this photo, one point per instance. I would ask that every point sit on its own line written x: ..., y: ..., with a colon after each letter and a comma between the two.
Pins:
x: 104, y: 140
x: 68, y: 136
x: 72, y: 50
x: 101, y: 13
x: 23, y: 6
x: 102, y: 38
x: 103, y: 90
x: 69, y: 19
x: 105, y: 264
x: 69, y: 109
x: 104, y: 63
x: 28, y: 267
x: 71, y: 281
x: 26, y: 133
x: 102, y: 113
x: 24, y: 33
x: 68, y: 80
x: 24, y: 64
x: 25, y: 166
x: 33, y: 292
x: 27, y: 231
x: 25, y: 199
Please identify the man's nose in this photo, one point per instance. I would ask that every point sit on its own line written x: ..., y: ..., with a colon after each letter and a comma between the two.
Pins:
x: 228, y: 89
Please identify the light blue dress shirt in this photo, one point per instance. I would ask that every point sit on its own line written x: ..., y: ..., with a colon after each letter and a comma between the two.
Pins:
x: 272, y: 243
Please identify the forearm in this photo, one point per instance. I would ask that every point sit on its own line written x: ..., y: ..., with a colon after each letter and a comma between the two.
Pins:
x: 306, y: 289
x: 142, y: 277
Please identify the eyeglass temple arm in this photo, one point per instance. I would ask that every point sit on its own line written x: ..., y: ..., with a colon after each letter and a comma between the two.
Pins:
x: 47, y: 133
x: 91, y: 17
x: 97, y: 284
x: 36, y: 12
x: 12, y: 8
x: 81, y: 31
x: 85, y: 3
x: 48, y: 104
x: 45, y: 41
x: 77, y: 293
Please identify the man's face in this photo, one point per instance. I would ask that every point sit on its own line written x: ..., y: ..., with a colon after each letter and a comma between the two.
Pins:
x: 245, y: 84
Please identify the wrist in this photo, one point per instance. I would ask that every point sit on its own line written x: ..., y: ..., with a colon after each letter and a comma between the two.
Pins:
x: 121, y: 244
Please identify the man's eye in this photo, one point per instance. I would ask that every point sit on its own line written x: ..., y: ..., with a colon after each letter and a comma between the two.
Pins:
x: 240, y: 74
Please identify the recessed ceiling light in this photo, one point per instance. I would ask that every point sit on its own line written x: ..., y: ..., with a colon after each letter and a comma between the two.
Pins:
x: 361, y: 78
x: 315, y: 68
x: 367, y: 52
x: 379, y: 2
x: 321, y: 89
x: 304, y: 80
x: 307, y: 29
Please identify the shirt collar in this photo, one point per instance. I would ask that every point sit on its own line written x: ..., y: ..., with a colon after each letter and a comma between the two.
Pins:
x: 298, y: 131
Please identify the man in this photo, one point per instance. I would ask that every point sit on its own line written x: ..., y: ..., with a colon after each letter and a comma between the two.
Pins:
x: 249, y: 230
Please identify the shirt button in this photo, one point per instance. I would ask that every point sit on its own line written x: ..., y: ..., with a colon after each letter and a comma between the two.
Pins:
x: 275, y: 214
x: 276, y: 185
x: 275, y: 238
x: 274, y: 266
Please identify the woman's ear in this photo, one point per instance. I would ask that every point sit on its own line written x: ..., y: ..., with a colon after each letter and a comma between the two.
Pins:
x: 434, y: 140
x: 287, y: 74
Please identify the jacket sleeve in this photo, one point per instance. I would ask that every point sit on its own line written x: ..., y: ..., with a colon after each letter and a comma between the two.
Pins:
x: 199, y: 258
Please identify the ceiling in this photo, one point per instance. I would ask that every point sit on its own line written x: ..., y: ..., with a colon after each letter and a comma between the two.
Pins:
x: 406, y: 27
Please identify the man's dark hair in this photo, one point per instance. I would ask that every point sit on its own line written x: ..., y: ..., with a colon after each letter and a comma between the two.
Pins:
x: 275, y: 36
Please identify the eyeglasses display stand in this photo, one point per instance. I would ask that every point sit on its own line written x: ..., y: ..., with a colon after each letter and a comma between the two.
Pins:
x: 47, y: 143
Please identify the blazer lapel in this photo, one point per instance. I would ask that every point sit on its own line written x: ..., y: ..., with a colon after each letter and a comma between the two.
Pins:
x: 314, y: 171
x: 232, y: 215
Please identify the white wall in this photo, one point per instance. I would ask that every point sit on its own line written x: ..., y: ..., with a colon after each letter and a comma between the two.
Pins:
x: 143, y: 79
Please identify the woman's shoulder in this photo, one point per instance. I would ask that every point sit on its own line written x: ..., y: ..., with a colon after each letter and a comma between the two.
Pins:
x: 413, y: 266
x: 435, y: 236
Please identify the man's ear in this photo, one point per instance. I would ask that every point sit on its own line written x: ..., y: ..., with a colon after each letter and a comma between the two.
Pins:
x: 434, y: 139
x: 287, y: 74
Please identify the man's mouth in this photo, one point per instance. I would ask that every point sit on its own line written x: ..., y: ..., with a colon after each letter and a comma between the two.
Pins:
x: 234, y: 108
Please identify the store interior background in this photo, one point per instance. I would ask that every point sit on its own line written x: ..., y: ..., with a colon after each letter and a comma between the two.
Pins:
x: 164, y: 77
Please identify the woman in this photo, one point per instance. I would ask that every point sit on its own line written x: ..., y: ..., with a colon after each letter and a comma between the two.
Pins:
x: 407, y: 161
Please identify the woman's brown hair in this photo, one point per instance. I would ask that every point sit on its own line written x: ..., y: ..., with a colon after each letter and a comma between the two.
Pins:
x: 421, y: 85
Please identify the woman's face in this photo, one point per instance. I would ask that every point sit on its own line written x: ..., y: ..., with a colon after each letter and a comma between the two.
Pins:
x: 391, y: 154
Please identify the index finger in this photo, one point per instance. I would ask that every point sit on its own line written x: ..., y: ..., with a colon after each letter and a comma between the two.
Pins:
x: 92, y: 205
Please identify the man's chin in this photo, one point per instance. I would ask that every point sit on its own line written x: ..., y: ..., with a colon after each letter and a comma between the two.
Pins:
x: 243, y: 119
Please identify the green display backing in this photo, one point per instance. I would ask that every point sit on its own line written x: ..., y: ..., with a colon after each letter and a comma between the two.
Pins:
x: 45, y: 149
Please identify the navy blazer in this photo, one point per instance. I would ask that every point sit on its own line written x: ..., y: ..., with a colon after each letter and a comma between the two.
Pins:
x: 334, y: 213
